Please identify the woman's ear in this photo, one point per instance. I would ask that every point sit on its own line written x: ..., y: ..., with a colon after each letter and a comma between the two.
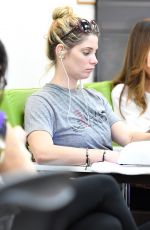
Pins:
x: 60, y: 51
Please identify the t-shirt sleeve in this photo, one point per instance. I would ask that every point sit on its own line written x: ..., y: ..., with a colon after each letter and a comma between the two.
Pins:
x: 111, y: 116
x: 38, y: 115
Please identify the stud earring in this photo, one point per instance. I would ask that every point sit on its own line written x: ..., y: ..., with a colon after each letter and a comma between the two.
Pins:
x: 61, y: 55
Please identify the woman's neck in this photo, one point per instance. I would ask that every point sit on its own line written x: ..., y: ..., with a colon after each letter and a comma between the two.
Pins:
x: 62, y: 81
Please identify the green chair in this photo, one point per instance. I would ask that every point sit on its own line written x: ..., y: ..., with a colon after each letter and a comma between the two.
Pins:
x: 13, y: 104
x: 105, y: 87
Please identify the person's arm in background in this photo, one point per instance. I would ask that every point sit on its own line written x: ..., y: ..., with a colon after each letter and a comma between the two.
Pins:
x: 16, y: 157
x: 122, y: 135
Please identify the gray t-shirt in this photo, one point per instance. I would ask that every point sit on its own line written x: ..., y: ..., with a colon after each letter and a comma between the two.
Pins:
x: 79, y: 118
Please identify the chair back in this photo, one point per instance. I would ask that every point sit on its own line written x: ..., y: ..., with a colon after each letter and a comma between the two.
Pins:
x: 13, y: 104
x: 105, y: 87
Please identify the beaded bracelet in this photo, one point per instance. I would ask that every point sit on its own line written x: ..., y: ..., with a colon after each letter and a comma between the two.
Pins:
x: 103, y: 157
x: 87, y: 158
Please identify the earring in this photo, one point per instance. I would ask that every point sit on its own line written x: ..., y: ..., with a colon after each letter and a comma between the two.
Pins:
x: 61, y: 55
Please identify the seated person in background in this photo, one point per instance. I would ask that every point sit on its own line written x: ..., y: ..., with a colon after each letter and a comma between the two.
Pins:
x: 66, y: 123
x: 131, y: 95
x: 14, y: 156
x: 131, y: 92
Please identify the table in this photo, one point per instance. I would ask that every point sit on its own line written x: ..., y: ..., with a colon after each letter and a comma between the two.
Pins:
x: 142, y: 178
x: 139, y: 174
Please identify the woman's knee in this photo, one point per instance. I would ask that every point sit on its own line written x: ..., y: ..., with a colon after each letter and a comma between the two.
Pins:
x: 100, y: 221
x: 106, y: 182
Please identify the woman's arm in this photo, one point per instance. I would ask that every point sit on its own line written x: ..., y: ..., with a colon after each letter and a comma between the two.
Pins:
x: 44, y: 151
x: 122, y: 135
x: 17, y: 158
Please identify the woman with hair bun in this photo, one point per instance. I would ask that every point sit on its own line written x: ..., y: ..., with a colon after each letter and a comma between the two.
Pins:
x: 73, y: 125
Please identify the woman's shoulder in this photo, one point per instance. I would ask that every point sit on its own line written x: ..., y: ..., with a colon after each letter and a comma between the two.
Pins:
x: 117, y: 92
x: 94, y: 93
x: 41, y: 93
x: 97, y: 95
x: 118, y: 87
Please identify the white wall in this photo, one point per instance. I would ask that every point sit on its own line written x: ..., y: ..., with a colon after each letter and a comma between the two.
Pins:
x: 23, y: 24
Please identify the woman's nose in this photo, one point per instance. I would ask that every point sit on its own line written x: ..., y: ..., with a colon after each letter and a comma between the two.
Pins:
x: 94, y: 60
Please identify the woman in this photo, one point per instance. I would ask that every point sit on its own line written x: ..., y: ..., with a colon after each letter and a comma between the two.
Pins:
x: 131, y: 92
x: 98, y: 202
x: 68, y: 124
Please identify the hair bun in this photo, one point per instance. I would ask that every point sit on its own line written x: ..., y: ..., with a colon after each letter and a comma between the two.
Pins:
x: 61, y: 12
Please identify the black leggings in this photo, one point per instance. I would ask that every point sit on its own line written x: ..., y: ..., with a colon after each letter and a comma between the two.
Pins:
x: 98, y: 204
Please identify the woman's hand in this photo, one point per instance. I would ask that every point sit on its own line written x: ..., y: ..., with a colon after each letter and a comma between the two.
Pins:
x: 112, y: 156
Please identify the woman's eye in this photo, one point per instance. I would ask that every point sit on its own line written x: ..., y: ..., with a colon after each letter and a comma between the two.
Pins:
x: 86, y: 52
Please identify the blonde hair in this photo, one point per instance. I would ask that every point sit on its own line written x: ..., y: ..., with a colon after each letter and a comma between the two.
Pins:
x: 64, y: 20
x: 133, y: 73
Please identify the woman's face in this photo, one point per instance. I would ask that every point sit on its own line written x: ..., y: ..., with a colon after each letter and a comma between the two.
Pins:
x: 80, y: 61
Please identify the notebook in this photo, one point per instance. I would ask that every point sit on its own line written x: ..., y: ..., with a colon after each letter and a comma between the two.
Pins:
x: 135, y: 153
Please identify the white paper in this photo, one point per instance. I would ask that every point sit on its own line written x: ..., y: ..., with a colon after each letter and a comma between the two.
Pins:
x: 135, y: 153
x: 107, y: 167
